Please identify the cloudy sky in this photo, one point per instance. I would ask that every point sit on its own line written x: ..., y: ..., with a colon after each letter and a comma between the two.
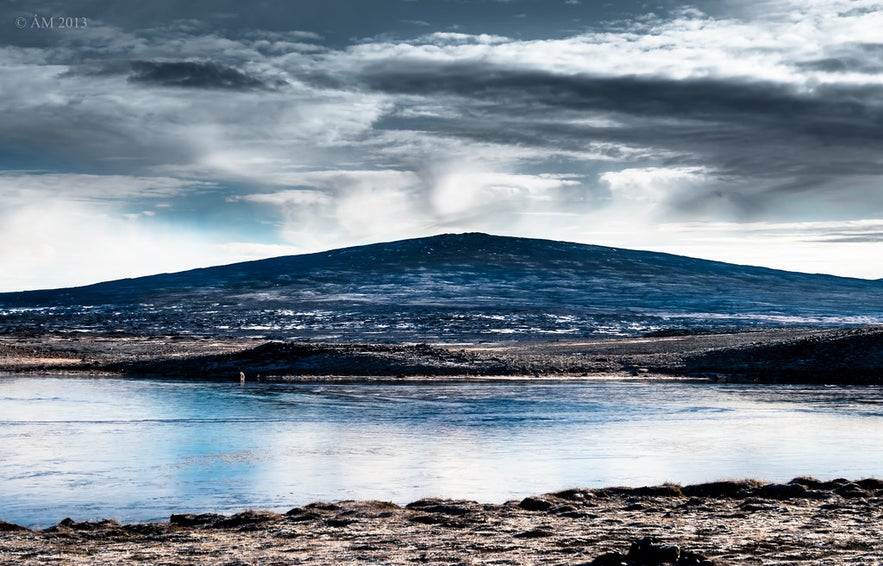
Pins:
x: 168, y: 135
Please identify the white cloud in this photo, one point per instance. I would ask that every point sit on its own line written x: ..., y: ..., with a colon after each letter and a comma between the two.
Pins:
x: 692, y: 45
x: 458, y: 192
x: 22, y: 187
x: 451, y: 38
x: 653, y: 185
x: 63, y: 243
x: 377, y: 212
x: 294, y: 198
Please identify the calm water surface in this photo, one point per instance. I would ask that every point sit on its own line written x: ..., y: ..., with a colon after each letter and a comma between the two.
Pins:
x: 141, y: 450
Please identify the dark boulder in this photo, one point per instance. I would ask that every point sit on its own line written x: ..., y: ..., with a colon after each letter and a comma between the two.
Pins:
x: 722, y: 489
x: 193, y: 520
x: 810, y: 483
x: 535, y: 504
x: 648, y: 551
x: 780, y: 491
x: 439, y: 506
x: 339, y: 522
x: 690, y: 558
x: 871, y: 484
x: 430, y: 520
x: 12, y: 528
x: 535, y: 533
x: 301, y: 515
x: 574, y: 495
x: 852, y: 491
x: 610, y: 559
x: 247, y: 519
x: 69, y: 524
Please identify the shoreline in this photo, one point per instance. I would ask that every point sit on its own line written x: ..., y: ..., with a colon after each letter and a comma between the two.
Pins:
x: 784, y: 355
x: 370, y: 379
x: 726, y: 522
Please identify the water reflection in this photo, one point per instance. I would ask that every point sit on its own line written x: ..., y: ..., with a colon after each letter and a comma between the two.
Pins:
x: 140, y: 450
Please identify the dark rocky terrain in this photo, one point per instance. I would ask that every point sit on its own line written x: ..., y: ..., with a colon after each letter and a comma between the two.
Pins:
x: 853, y: 356
x: 806, y: 521
x: 792, y: 355
x: 451, y: 288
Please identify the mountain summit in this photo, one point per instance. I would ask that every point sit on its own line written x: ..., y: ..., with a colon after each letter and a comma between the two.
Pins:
x: 452, y: 287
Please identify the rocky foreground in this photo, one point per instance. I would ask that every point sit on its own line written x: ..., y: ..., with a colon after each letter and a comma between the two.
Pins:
x: 736, y: 522
x: 789, y: 355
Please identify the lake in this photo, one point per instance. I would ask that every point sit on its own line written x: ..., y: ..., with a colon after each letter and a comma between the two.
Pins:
x: 142, y: 450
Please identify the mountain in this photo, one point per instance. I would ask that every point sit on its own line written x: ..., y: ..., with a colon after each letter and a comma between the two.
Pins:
x: 450, y: 288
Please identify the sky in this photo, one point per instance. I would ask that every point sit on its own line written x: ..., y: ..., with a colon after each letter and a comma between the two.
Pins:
x: 148, y: 137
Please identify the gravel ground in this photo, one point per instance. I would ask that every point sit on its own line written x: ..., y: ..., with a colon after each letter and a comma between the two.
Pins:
x: 744, y: 522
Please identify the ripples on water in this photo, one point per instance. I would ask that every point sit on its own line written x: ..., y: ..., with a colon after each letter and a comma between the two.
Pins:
x: 141, y: 450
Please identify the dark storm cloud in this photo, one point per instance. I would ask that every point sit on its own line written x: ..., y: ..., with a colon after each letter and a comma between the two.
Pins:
x: 841, y: 65
x: 192, y: 74
x: 868, y: 237
x: 848, y: 58
x: 737, y: 122
x: 339, y: 22
x: 848, y: 114
x: 88, y: 143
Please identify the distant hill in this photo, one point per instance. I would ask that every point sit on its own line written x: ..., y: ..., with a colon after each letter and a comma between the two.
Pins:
x: 451, y: 288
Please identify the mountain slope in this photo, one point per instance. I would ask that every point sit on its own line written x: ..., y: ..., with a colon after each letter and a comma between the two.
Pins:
x: 452, y: 287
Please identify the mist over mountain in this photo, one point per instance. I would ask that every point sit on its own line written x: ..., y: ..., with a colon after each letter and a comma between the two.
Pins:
x: 463, y: 287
